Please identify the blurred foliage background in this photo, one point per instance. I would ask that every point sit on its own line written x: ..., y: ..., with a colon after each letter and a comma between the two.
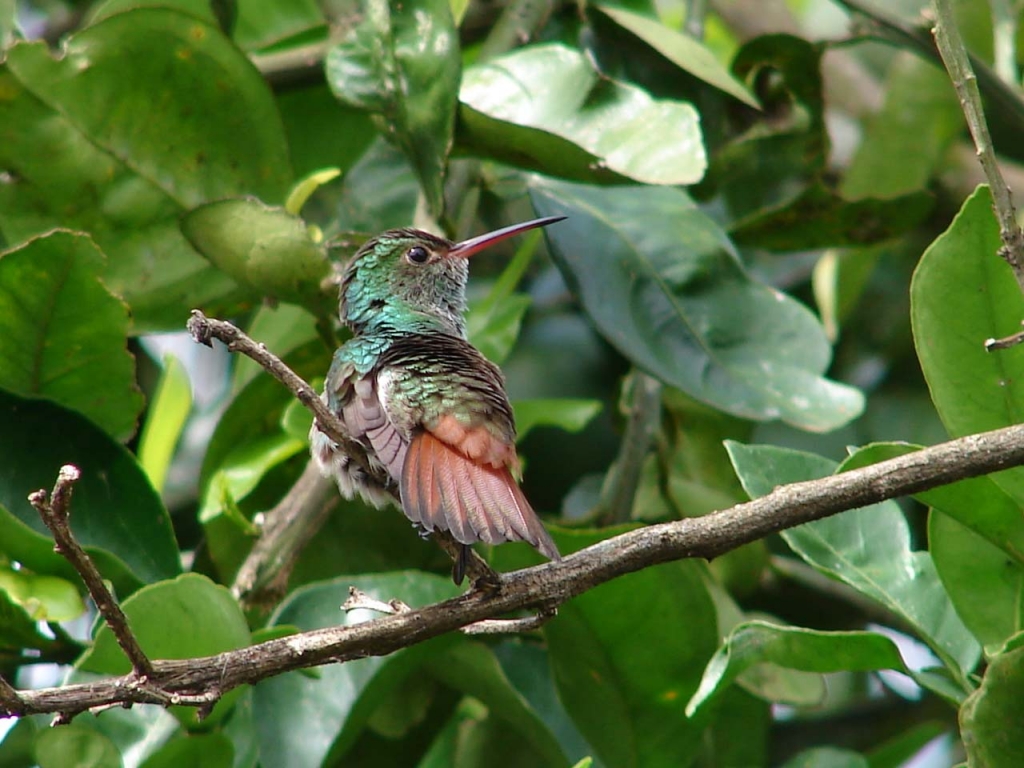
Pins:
x: 778, y: 262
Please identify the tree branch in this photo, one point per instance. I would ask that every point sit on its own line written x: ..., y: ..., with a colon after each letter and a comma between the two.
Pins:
x: 194, y: 681
x: 55, y: 512
x: 954, y: 56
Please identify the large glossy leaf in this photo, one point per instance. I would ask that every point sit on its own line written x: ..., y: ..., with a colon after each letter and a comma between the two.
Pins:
x: 990, y: 716
x: 663, y: 284
x: 109, y: 104
x: 868, y: 549
x: 985, y: 585
x: 682, y: 50
x: 62, y: 333
x: 557, y: 90
x: 115, y: 513
x: 962, y: 294
x: 625, y: 668
x: 401, y: 62
x: 179, y: 619
x: 264, y: 248
x: 473, y: 669
x: 262, y: 23
x: 977, y: 503
x: 300, y: 717
x: 758, y: 642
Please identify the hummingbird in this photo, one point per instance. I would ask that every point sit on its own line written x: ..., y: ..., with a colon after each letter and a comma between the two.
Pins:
x: 428, y: 410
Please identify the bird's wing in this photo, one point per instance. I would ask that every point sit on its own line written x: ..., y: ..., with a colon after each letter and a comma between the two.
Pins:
x: 451, y: 431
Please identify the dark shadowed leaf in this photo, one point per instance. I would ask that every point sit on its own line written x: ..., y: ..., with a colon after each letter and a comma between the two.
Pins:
x: 198, y: 750
x: 301, y: 718
x: 663, y: 284
x: 990, y: 718
x: 62, y: 332
x: 962, y: 294
x: 556, y: 89
x: 868, y: 549
x: 626, y: 667
x: 120, y: 89
x: 758, y: 642
x: 116, y: 514
x: 401, y: 62
x: 264, y: 248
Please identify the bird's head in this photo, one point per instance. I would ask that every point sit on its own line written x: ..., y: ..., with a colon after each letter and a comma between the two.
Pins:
x: 406, y: 279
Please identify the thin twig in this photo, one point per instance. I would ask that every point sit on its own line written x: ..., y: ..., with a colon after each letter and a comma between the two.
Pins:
x: 357, y: 599
x: 1004, y: 343
x: 551, y: 584
x: 10, y: 701
x: 204, y: 329
x: 954, y: 56
x: 55, y: 512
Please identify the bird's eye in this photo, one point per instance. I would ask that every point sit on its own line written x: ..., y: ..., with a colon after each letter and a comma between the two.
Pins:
x: 418, y: 254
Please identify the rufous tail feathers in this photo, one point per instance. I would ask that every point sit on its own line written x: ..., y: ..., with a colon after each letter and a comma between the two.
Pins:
x: 444, y: 490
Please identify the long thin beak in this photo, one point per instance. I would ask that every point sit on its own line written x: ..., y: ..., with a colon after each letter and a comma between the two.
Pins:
x: 467, y: 248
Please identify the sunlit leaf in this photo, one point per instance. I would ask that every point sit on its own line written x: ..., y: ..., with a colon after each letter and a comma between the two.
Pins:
x: 555, y: 89
x: 962, y: 294
x: 401, y: 63
x: 168, y: 412
x: 45, y: 598
x: 988, y: 720
x: 570, y: 415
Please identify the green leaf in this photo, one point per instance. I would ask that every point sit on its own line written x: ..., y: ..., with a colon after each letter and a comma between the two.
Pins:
x: 168, y: 413
x: 625, y: 668
x: 684, y: 51
x: 473, y: 669
x: 75, y: 747
x: 121, y: 88
x: 115, y: 513
x: 758, y: 642
x: 182, y: 618
x: 62, y: 333
x: 663, y: 284
x: 44, y: 598
x: 242, y: 470
x: 18, y: 630
x: 564, y: 413
x: 866, y: 548
x: 977, y: 503
x: 305, y: 188
x: 985, y: 585
x: 990, y: 718
x: 820, y: 218
x: 299, y: 718
x: 962, y: 294
x: 261, y: 23
x: 906, y: 140
x: 827, y: 757
x: 201, y: 750
x: 556, y: 89
x: 401, y: 62
x: 282, y: 329
x: 264, y: 248
x: 897, y: 751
